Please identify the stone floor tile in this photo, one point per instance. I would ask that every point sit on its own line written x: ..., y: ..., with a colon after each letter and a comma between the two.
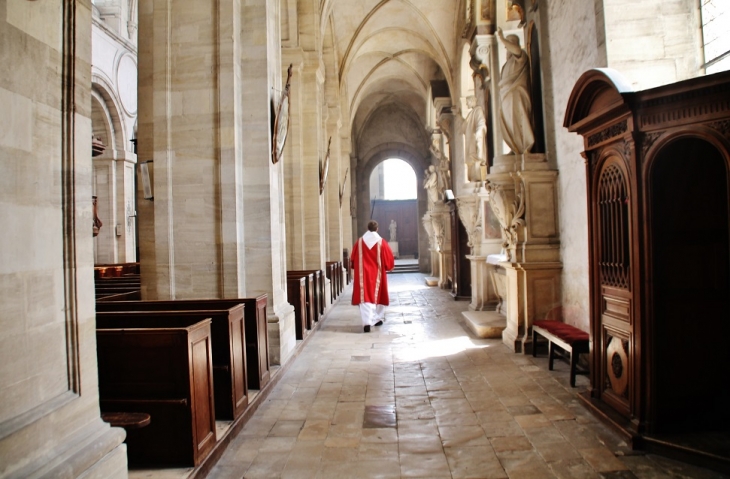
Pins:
x: 380, y: 436
x: 510, y: 443
x: 462, y: 436
x: 457, y: 419
x: 533, y: 421
x: 502, y: 429
x: 524, y: 464
x: 433, y: 466
x: 557, y: 451
x: 573, y: 469
x: 314, y: 430
x: 420, y: 445
x: 602, y: 460
x: 474, y: 462
x: 286, y: 429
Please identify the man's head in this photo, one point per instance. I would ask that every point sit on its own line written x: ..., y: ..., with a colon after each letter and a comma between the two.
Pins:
x: 372, y: 225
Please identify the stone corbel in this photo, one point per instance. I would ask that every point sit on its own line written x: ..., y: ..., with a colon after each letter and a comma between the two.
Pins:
x: 508, y: 204
x: 481, y: 46
x: 439, y: 231
x: 428, y: 226
x: 468, y: 207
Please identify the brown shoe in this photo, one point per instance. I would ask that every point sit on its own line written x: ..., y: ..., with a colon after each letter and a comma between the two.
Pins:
x: 366, y: 329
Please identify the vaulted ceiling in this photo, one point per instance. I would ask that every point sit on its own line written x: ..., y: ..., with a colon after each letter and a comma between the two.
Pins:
x: 388, y: 52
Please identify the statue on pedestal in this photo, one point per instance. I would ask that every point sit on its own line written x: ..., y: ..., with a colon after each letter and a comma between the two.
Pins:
x: 475, y: 130
x: 393, y: 230
x: 514, y: 91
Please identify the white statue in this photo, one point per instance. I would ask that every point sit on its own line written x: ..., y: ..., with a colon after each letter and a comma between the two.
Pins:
x: 430, y: 183
x: 475, y: 131
x: 393, y: 230
x: 514, y: 91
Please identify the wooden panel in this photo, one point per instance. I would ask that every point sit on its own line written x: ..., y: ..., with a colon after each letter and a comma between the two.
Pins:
x: 297, y: 297
x: 202, y: 396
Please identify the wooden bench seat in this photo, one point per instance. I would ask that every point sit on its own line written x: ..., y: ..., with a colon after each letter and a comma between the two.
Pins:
x: 258, y: 369
x: 319, y: 288
x: 309, y: 290
x: 164, y: 369
x: 569, y: 338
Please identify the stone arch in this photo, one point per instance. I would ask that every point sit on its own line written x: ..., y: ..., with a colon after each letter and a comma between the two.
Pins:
x: 108, y: 112
x: 365, y: 167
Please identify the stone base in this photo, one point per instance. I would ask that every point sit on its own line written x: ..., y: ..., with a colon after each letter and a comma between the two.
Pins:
x: 432, y: 281
x: 394, y: 248
x: 485, y: 324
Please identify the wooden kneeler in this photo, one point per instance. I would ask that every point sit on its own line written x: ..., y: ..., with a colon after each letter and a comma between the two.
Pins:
x: 568, y: 338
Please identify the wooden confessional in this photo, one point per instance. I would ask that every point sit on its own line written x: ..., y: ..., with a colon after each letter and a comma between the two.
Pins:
x: 657, y: 165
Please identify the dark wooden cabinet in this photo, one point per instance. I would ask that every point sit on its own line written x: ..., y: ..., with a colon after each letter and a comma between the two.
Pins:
x: 657, y: 164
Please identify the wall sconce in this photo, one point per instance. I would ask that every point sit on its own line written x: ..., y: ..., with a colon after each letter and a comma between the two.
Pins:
x: 144, y: 170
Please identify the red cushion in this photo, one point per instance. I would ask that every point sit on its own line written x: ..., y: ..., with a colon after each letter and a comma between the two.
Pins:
x: 566, y: 332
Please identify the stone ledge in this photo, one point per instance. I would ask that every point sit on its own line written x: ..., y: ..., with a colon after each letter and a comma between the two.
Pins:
x: 431, y: 280
x: 485, y: 324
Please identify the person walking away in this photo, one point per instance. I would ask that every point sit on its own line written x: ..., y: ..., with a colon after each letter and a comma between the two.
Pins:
x: 371, y: 258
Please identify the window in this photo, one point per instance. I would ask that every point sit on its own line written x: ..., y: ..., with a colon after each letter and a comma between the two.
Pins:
x: 716, y: 34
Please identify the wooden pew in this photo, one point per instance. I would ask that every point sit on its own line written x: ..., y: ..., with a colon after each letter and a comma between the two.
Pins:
x: 258, y: 369
x: 319, y: 288
x: 329, y: 273
x: 228, y: 342
x: 297, y: 296
x: 115, y: 269
x: 312, y: 315
x: 164, y: 369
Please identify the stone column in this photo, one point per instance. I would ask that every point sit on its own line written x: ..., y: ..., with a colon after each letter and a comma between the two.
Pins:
x: 105, y: 190
x: 125, y: 226
x: 332, y: 187
x: 212, y: 231
x: 433, y: 278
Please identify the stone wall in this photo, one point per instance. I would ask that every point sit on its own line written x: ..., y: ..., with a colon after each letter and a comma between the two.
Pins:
x: 49, y: 413
x: 571, y: 41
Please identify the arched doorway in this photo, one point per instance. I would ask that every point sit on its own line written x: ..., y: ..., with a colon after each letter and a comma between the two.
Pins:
x: 690, y: 267
x: 394, y: 205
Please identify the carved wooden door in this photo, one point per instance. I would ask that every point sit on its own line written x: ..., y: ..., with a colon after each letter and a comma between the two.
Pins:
x: 613, y: 333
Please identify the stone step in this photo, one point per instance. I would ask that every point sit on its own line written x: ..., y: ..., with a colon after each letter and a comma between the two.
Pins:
x: 485, y: 324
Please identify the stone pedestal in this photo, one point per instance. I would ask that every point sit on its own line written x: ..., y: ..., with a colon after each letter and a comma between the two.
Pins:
x: 533, y: 289
x: 483, y: 290
x: 394, y: 247
x: 441, y: 220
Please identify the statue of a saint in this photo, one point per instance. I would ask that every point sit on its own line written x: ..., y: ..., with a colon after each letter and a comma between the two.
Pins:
x: 393, y: 230
x: 430, y: 183
x: 475, y: 131
x: 514, y: 91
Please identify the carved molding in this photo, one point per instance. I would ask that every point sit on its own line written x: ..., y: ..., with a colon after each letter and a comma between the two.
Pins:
x: 509, y: 207
x: 439, y: 231
x: 608, y: 133
x: 647, y: 141
x: 722, y: 126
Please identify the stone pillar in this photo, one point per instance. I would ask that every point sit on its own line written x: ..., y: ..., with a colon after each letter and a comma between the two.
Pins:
x: 213, y: 231
x: 105, y: 190
x: 332, y: 187
x: 126, y: 224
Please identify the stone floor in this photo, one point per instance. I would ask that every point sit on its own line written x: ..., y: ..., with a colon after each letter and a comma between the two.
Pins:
x: 419, y: 397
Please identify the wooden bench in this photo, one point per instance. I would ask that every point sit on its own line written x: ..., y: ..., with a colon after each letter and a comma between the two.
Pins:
x: 296, y: 294
x: 569, y: 338
x: 228, y: 342
x: 258, y: 369
x: 164, y: 369
x: 309, y: 290
x: 319, y: 288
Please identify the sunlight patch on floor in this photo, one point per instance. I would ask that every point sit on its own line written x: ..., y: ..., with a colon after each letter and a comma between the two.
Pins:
x: 439, y: 348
